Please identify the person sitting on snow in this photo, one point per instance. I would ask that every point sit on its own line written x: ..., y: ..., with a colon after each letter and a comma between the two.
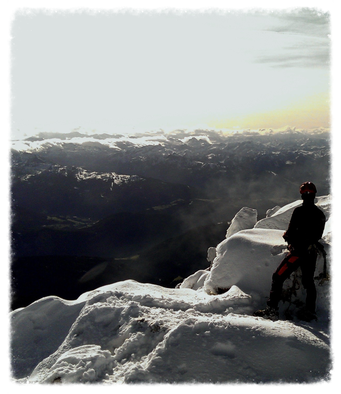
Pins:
x: 305, y: 229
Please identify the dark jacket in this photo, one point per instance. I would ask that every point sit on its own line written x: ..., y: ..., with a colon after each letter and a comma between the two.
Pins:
x: 306, y: 227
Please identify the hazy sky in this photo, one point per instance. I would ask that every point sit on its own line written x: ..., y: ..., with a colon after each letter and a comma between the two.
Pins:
x: 119, y: 72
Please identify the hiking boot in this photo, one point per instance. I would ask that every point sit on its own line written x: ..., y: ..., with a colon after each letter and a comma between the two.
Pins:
x: 267, y: 313
x: 306, y: 315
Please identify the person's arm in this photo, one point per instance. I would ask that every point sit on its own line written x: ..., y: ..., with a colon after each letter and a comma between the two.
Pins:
x: 321, y: 221
x: 289, y: 235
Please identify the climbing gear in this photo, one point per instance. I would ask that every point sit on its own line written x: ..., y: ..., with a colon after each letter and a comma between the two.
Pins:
x: 289, y: 294
x: 290, y: 259
x: 323, y: 276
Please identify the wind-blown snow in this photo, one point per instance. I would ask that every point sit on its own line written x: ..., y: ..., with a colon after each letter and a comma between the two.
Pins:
x: 129, y: 332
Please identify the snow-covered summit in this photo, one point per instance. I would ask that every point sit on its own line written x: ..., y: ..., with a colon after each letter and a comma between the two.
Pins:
x: 204, y: 331
x: 253, y: 250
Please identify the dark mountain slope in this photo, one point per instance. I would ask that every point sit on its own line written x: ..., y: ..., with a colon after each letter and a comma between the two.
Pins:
x: 68, y: 276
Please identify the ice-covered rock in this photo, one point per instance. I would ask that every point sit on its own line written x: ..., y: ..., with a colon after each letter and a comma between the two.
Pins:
x: 244, y: 219
x: 272, y: 211
x: 211, y: 254
x: 195, y: 281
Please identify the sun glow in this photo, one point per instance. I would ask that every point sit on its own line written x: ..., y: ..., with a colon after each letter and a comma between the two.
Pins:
x: 311, y: 112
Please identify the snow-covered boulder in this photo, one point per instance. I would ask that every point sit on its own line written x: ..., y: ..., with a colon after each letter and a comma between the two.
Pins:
x: 247, y: 259
x: 195, y: 281
x: 244, y: 219
x: 211, y: 254
x: 272, y: 211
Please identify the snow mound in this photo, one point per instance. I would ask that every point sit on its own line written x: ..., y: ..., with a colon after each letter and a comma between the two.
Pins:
x: 203, y: 331
x: 229, y: 349
x: 87, y: 363
x: 248, y: 258
x: 279, y: 220
x: 130, y: 332
x: 280, y: 217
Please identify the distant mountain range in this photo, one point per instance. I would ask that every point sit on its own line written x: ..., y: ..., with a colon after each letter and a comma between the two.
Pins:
x: 137, y: 206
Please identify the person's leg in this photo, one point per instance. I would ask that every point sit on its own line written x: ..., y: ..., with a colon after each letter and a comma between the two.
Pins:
x: 284, y: 270
x: 308, y: 270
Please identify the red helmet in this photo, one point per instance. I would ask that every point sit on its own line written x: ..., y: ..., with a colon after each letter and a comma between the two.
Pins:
x: 308, y: 187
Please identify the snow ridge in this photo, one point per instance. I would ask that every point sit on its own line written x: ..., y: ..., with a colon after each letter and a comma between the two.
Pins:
x: 203, y: 331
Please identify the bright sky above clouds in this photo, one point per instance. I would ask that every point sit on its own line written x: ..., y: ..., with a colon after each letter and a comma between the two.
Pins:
x: 130, y: 71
